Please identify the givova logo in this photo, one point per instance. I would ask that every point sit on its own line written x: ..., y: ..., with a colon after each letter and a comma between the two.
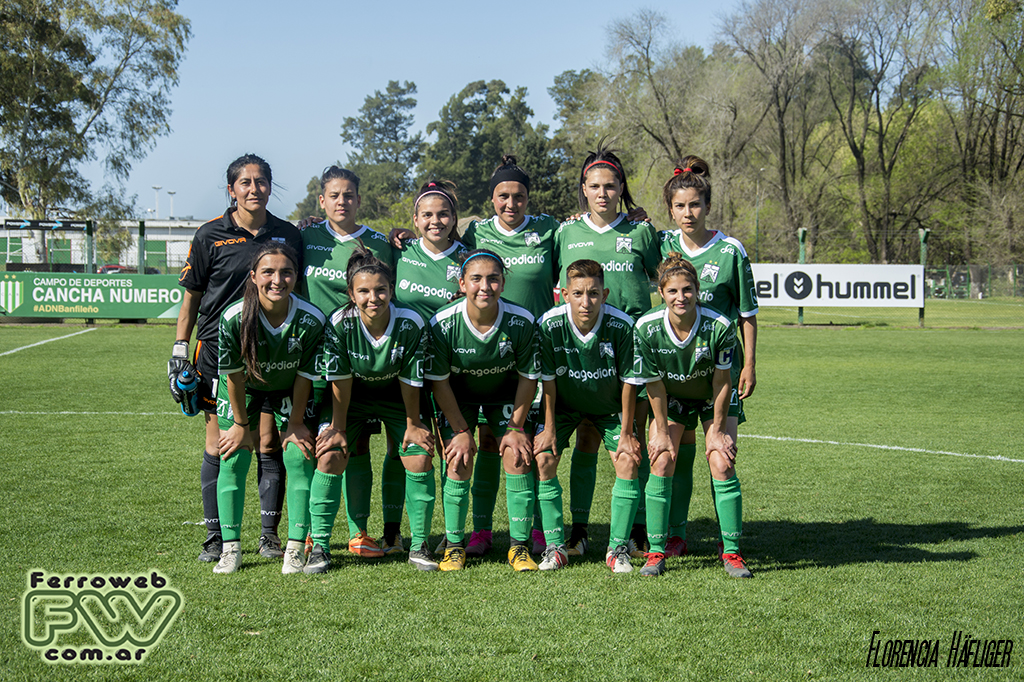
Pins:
x: 125, y: 615
x: 11, y: 295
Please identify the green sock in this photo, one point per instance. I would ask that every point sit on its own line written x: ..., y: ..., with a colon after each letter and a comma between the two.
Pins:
x: 486, y: 477
x: 519, y: 498
x: 625, y: 498
x: 659, y: 497
x: 729, y: 504
x: 549, y: 498
x: 324, y: 502
x: 582, y: 481
x: 231, y: 493
x: 456, y: 506
x: 538, y: 514
x: 643, y: 473
x: 682, y: 490
x: 392, y: 488
x: 420, y: 491
x: 299, y: 477
x: 358, y: 478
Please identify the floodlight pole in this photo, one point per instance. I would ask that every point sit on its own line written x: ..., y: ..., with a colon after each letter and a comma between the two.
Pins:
x: 171, y: 192
x: 156, y: 192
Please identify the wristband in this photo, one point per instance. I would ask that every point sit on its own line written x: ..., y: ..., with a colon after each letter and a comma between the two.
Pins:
x: 238, y: 424
x: 180, y: 350
x: 465, y: 430
x: 518, y: 429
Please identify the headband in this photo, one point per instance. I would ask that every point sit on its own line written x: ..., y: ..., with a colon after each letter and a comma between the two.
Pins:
x: 510, y: 173
x: 482, y: 253
x: 599, y: 162
x: 432, y: 188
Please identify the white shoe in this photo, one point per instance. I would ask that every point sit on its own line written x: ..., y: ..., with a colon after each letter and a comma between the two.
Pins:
x: 618, y: 559
x: 294, y: 557
x: 555, y: 557
x: 230, y: 558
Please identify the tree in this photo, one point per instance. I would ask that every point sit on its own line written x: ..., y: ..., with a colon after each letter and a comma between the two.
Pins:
x: 81, y: 80
x: 879, y: 60
x: 384, y: 153
x: 474, y: 129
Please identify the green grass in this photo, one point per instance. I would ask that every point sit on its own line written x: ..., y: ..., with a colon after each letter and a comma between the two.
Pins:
x: 844, y: 539
x: 1001, y: 312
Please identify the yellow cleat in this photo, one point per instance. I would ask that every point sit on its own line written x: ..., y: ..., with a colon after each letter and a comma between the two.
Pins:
x: 454, y: 559
x: 520, y: 560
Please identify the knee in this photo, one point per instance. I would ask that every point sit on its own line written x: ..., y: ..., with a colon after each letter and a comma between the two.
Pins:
x: 721, y: 468
x: 488, y: 442
x: 418, y: 464
x: 587, y: 439
x: 332, y: 462
x: 665, y: 466
x: 547, y: 465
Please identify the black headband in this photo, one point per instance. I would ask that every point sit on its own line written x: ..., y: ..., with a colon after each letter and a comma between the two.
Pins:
x: 510, y: 174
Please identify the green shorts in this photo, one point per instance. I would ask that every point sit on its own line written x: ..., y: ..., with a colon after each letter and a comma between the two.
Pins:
x: 363, y: 418
x: 277, y: 403
x: 608, y: 425
x: 495, y: 416
x: 689, y: 412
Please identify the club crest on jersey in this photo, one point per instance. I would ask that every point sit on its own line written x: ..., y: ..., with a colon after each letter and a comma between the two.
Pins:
x: 710, y: 272
x: 452, y: 273
x: 397, y: 353
x: 504, y: 347
x: 532, y: 239
x: 607, y: 350
x: 623, y: 244
x: 700, y: 353
x: 294, y: 345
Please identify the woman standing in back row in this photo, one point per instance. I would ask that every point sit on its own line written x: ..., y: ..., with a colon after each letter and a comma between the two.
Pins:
x: 727, y: 286
x: 215, y: 274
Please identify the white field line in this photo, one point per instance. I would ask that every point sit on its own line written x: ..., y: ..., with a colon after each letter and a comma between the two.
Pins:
x: 996, y: 458
x: 91, y: 414
x: 33, y: 345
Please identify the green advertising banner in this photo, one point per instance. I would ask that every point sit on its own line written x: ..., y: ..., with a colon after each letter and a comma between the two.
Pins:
x: 45, y: 294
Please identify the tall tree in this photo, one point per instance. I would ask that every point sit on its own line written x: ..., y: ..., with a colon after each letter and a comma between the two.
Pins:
x: 879, y: 58
x: 474, y: 129
x: 383, y: 154
x: 81, y: 80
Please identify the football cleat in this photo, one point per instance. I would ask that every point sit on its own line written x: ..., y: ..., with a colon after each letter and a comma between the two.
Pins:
x: 421, y: 558
x: 294, y: 557
x: 454, y: 559
x: 479, y: 543
x: 618, y: 560
x: 555, y: 557
x: 520, y: 560
x: 319, y: 561
x: 655, y: 564
x: 676, y: 546
x: 230, y: 558
x: 735, y: 566
x: 365, y: 546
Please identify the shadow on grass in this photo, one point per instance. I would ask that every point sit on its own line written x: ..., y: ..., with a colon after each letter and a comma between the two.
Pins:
x: 788, y: 544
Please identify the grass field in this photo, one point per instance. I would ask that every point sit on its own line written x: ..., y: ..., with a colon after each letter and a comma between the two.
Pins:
x: 882, y: 472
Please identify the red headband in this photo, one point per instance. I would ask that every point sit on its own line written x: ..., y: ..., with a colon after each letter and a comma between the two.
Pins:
x: 606, y: 163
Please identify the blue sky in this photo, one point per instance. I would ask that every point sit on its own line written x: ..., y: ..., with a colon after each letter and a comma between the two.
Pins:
x: 278, y: 78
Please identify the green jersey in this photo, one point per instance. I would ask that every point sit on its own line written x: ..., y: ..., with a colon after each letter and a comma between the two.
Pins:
x: 588, y: 369
x: 726, y: 280
x: 529, y: 254
x: 484, y: 367
x: 376, y: 365
x: 686, y: 366
x: 283, y: 352
x: 326, y: 260
x: 627, y: 250
x: 426, y: 281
